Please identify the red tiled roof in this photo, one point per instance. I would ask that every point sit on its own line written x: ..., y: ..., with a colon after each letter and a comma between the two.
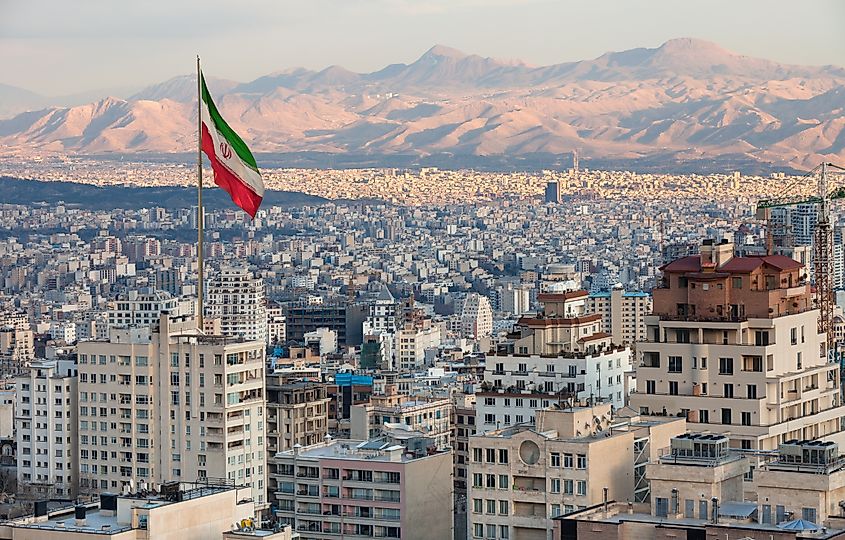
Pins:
x: 741, y: 265
x: 782, y: 262
x: 684, y: 264
x: 560, y: 297
x: 597, y: 335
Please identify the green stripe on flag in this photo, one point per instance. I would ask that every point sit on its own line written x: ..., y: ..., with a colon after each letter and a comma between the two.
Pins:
x: 228, y: 133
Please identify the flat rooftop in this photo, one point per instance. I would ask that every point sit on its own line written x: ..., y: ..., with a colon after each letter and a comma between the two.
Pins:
x: 374, y: 450
x: 96, y: 521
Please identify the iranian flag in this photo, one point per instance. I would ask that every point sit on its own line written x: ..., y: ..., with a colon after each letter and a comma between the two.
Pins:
x: 234, y: 167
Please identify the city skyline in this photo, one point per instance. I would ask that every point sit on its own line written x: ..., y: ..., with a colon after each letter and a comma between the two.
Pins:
x: 49, y: 46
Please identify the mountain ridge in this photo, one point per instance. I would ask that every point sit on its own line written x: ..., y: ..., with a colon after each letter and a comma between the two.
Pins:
x: 689, y: 98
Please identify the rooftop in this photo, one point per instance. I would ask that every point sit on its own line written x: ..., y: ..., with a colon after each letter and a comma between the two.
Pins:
x: 351, y: 449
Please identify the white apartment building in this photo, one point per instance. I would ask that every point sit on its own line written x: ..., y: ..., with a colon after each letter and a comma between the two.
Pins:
x: 379, y: 329
x: 412, y: 342
x: 46, y: 435
x: 559, y: 353
x: 383, y: 314
x: 622, y: 313
x: 236, y: 297
x: 476, y: 317
x: 276, y: 325
x: 144, y: 307
x: 733, y: 345
x: 170, y: 404
x: 63, y: 331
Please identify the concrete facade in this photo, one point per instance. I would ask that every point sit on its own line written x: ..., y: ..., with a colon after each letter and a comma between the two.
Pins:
x: 46, y: 434
x: 171, y: 405
x: 734, y: 346
x: 364, y: 489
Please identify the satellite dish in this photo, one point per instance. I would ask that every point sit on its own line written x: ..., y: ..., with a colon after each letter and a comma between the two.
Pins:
x: 529, y: 452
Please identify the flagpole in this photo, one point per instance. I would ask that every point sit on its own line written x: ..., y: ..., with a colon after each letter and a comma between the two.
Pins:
x: 200, y: 212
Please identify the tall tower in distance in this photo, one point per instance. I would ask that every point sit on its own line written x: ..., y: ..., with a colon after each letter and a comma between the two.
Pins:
x: 575, y: 165
x: 236, y: 297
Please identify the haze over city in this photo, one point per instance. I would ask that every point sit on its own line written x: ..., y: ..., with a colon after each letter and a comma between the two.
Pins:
x: 422, y: 270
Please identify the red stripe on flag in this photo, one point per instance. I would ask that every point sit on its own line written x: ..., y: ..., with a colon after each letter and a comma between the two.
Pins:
x: 242, y: 195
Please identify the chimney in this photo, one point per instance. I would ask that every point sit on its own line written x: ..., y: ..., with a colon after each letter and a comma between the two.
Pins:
x: 714, y: 255
x: 80, y: 512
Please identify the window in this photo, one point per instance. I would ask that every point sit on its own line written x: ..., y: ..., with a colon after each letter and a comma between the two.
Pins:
x: 504, y: 532
x: 726, y: 416
x: 793, y: 336
x: 582, y: 487
x: 726, y: 366
x: 503, y: 508
x: 567, y: 461
x: 729, y: 390
x: 736, y: 282
x: 798, y: 359
x: 675, y: 364
x: 490, y: 455
x: 568, y: 487
x: 582, y: 461
x: 683, y: 335
x: 491, y: 506
x: 491, y: 481
x: 491, y: 531
x: 477, y: 530
x: 503, y: 455
x: 477, y: 506
x: 746, y: 419
x: 673, y: 388
x: 554, y: 486
x: 751, y: 391
x: 503, y: 481
x: 476, y: 455
x: 477, y: 480
x: 649, y: 387
x: 555, y: 459
x: 761, y: 338
x: 704, y: 416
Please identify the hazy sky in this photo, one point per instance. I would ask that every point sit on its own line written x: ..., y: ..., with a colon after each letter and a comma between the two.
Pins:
x: 60, y: 47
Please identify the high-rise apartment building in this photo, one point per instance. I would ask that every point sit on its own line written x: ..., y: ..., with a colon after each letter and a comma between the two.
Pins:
x: 46, y: 433
x: 476, y: 317
x: 365, y: 489
x: 733, y: 345
x: 622, y: 313
x: 236, y: 297
x: 170, y: 404
x: 144, y: 307
x: 412, y: 340
x: 297, y: 414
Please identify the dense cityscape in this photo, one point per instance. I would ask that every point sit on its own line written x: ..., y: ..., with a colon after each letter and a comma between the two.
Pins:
x: 469, y: 343
x: 422, y: 270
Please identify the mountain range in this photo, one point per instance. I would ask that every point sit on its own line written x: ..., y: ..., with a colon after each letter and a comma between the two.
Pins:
x: 685, y: 100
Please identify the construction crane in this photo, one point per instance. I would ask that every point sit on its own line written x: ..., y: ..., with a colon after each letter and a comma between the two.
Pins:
x: 822, y: 236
